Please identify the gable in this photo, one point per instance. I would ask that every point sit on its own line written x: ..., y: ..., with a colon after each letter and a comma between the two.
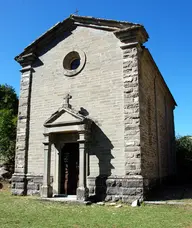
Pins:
x: 82, y: 39
x: 65, y: 27
x: 66, y: 117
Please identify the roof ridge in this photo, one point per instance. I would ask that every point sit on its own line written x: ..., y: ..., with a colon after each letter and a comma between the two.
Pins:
x: 73, y: 16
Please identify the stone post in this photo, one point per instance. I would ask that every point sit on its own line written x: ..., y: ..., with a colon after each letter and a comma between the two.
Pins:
x: 82, y: 190
x: 46, y: 189
x: 19, y: 182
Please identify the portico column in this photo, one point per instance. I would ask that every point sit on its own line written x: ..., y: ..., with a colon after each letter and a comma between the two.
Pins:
x: 82, y: 190
x: 46, y: 189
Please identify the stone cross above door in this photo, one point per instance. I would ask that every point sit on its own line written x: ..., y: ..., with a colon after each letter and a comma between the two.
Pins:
x: 66, y: 98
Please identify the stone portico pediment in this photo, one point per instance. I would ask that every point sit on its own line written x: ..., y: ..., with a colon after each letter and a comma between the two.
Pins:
x: 66, y: 120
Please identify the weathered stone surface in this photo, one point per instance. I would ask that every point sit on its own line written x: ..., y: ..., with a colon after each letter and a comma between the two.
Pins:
x: 121, y: 90
x: 116, y: 188
x: 113, y: 190
x: 19, y: 185
x: 46, y: 191
x: 108, y: 198
x: 19, y: 192
x: 34, y: 184
x: 116, y: 198
x: 17, y: 178
x: 157, y: 126
x: 82, y: 193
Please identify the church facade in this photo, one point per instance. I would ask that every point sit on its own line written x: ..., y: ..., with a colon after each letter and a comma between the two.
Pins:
x: 95, y: 114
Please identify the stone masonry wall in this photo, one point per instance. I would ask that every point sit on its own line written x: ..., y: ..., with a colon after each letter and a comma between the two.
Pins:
x: 19, y: 177
x: 132, y: 121
x: 157, y: 128
x: 122, y: 93
x: 131, y: 112
x: 171, y: 137
x: 166, y: 135
x: 114, y: 188
x: 98, y: 88
x: 149, y: 140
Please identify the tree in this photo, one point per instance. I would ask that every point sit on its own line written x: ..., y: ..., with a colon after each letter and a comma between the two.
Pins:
x: 8, y: 98
x: 184, y: 157
x: 8, y: 122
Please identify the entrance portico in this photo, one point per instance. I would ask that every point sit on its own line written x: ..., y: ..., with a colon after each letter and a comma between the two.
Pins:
x: 66, y: 127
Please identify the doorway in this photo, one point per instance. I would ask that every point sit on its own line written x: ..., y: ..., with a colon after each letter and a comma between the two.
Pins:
x: 69, y: 169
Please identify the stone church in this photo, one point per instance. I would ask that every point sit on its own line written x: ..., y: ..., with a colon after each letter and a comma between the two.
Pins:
x: 95, y: 115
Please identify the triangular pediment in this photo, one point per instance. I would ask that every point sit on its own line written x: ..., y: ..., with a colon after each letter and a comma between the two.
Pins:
x: 64, y: 116
x: 68, y: 25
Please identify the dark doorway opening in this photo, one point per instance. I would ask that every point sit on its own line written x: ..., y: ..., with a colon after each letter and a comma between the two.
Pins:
x: 69, y: 169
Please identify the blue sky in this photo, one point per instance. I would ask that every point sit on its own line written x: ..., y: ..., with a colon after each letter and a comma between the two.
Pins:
x: 169, y: 24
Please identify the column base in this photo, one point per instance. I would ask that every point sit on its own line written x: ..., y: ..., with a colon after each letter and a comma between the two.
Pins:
x: 46, y: 191
x: 82, y: 193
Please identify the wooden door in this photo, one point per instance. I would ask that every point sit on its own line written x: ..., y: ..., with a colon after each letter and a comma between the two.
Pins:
x: 69, y: 169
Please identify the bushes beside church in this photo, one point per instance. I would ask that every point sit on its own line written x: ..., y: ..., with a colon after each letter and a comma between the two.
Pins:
x: 8, y: 123
x: 184, y: 158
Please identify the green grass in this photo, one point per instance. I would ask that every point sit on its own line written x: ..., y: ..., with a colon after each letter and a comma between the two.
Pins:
x: 24, y: 212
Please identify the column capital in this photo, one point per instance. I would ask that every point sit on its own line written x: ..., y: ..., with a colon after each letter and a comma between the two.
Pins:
x: 26, y: 60
x: 46, y: 139
x: 131, y: 35
x: 26, y: 69
x: 81, y: 137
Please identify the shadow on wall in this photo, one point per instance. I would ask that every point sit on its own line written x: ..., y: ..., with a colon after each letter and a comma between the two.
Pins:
x: 101, y: 147
x: 171, y: 192
x: 54, y: 40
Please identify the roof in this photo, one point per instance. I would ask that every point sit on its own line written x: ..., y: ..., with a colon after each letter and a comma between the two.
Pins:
x: 72, y: 22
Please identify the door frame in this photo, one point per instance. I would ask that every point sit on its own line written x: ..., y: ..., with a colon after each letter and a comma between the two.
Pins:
x: 78, y: 129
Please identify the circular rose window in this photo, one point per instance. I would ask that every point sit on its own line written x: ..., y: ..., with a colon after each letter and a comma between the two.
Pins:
x: 74, y: 62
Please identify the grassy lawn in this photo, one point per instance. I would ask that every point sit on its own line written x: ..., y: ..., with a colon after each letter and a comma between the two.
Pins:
x: 24, y: 212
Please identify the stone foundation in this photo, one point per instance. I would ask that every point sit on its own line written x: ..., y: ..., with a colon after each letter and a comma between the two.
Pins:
x: 18, y: 184
x: 82, y: 193
x: 101, y: 188
x: 34, y: 184
x: 125, y: 189
x: 26, y: 185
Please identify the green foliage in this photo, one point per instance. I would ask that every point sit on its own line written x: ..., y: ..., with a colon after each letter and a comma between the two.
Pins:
x: 8, y: 98
x: 184, y: 147
x: 184, y: 157
x: 7, y: 135
x: 8, y: 120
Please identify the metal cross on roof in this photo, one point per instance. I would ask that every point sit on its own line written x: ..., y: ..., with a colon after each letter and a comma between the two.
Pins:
x: 76, y: 12
x: 66, y: 100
